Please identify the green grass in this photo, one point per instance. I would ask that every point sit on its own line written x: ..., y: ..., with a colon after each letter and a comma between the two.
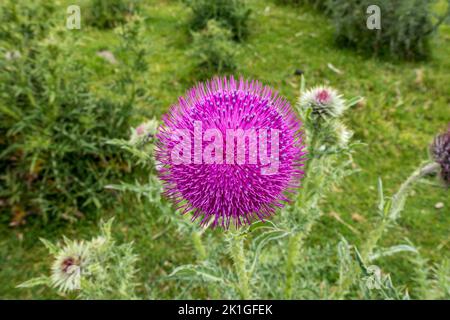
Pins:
x: 396, y: 125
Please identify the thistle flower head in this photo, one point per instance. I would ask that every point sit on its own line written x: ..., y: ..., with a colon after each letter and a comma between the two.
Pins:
x: 440, y: 151
x: 210, y: 182
x: 323, y: 101
x: 69, y: 265
x: 144, y: 132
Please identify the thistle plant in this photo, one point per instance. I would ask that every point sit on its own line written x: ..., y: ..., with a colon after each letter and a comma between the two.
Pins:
x: 390, y: 209
x: 239, y: 263
x: 329, y: 152
x: 236, y: 191
x: 95, y: 269
x: 357, y: 274
x: 245, y: 247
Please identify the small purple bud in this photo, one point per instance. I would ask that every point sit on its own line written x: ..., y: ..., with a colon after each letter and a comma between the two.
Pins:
x: 440, y: 151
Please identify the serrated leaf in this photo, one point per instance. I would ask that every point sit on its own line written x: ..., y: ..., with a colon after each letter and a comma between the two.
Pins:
x: 392, y: 250
x: 194, y: 271
x: 263, y: 239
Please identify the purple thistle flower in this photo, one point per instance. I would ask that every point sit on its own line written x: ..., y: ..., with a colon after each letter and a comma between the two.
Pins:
x: 440, y: 150
x: 240, y: 191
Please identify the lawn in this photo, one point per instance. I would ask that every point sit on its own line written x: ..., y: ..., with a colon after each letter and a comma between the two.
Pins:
x: 406, y: 104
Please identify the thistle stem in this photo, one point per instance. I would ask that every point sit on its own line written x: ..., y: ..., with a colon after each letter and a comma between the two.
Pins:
x: 238, y: 256
x: 398, y: 203
x: 398, y: 200
x: 198, y: 245
x: 291, y: 262
x: 308, y: 214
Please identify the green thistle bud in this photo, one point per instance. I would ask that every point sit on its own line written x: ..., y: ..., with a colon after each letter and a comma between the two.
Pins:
x: 144, y: 133
x: 343, y: 135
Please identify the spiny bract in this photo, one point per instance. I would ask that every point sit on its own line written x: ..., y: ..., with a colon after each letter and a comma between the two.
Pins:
x: 222, y: 192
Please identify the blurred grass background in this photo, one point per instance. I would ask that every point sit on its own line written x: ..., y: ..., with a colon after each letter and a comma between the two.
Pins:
x: 407, y: 103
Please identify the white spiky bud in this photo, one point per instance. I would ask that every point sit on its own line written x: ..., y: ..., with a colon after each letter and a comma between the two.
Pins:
x: 324, y: 102
x: 343, y: 135
x: 69, y: 264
